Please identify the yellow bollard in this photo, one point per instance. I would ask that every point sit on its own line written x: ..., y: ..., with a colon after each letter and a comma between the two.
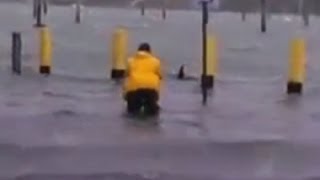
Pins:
x: 119, y: 53
x: 211, y: 61
x: 297, y: 63
x: 45, y: 50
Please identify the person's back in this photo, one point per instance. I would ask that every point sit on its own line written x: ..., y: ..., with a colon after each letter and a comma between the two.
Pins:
x: 143, y: 72
x: 142, y: 85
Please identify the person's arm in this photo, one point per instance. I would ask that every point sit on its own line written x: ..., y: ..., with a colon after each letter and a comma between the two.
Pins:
x: 127, y: 73
x: 128, y: 67
x: 159, y: 70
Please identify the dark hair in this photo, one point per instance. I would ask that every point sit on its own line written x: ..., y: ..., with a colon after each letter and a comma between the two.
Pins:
x: 144, y: 47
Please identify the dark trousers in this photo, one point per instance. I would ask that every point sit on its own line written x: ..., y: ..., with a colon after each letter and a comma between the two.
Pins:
x: 146, y: 98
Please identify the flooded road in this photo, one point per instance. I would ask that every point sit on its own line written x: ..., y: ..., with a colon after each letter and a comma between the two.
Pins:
x: 72, y: 125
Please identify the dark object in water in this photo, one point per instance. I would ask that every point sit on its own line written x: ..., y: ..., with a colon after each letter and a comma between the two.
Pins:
x: 143, y: 114
x: 181, y: 74
x: 142, y: 118
x: 16, y: 52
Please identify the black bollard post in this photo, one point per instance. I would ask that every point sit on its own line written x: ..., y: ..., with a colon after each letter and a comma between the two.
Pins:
x: 205, y: 20
x: 243, y: 16
x: 164, y: 13
x: 45, y: 7
x: 181, y: 73
x: 164, y: 10
x: 39, y: 14
x: 142, y: 9
x: 39, y: 8
x: 305, y: 13
x: 78, y: 12
x: 34, y: 8
x: 16, y: 53
x: 263, y: 16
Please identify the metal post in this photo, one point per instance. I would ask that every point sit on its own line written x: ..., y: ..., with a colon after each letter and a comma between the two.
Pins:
x: 305, y: 13
x: 205, y: 19
x: 16, y: 53
x: 41, y: 7
x: 39, y: 14
x: 263, y: 16
x: 243, y: 16
x: 78, y: 12
x: 142, y: 8
x: 34, y: 10
x: 164, y: 10
x: 45, y: 7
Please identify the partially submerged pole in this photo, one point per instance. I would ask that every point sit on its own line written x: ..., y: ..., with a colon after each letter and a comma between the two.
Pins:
x: 40, y: 7
x: 142, y: 8
x: 45, y: 50
x: 39, y: 15
x: 243, y: 16
x: 304, y: 12
x: 297, y: 66
x: 164, y: 10
x: 34, y: 8
x: 16, y: 53
x: 119, y: 52
x: 205, y: 20
x: 78, y: 12
x: 263, y: 16
x: 45, y: 6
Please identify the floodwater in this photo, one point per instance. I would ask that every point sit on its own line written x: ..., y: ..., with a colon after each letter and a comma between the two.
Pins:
x: 72, y: 125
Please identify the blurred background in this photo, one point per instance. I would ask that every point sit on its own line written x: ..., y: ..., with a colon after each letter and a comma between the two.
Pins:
x: 279, y: 6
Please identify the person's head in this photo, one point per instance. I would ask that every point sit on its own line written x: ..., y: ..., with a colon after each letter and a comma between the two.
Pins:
x: 144, y: 47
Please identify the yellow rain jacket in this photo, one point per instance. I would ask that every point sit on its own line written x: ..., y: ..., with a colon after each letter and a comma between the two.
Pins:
x: 143, y: 71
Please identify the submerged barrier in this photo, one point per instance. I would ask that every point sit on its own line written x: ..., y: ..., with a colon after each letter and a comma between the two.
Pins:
x: 142, y: 7
x: 209, y: 54
x: 119, y: 53
x: 243, y: 16
x: 164, y: 10
x: 40, y: 7
x: 304, y: 11
x: 164, y: 13
x: 211, y: 60
x: 77, y: 18
x: 263, y: 16
x: 297, y: 69
x: 16, y: 49
x: 45, y: 50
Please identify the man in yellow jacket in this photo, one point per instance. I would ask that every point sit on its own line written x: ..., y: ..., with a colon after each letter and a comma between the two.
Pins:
x: 142, y: 85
